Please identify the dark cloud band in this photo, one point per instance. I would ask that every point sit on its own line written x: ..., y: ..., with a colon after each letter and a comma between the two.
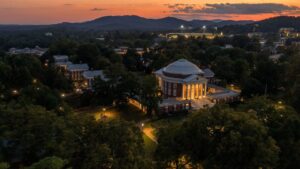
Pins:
x: 232, y: 8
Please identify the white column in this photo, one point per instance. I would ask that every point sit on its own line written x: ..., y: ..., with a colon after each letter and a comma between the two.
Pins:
x: 201, y: 90
x: 189, y: 91
x: 205, y: 87
x: 183, y: 92
x: 192, y: 91
x: 197, y: 90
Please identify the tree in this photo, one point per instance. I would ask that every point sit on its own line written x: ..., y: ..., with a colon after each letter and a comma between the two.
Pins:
x: 114, y: 144
x: 119, y: 86
x: 150, y: 94
x: 131, y: 60
x: 31, y: 133
x: 283, y: 124
x: 226, y: 139
x: 170, y: 151
x: 49, y: 163
x: 90, y: 54
x: 4, y: 165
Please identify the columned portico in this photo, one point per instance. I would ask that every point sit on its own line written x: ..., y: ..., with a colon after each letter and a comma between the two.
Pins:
x: 193, y: 91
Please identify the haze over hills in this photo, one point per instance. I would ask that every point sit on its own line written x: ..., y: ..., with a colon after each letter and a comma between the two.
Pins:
x: 128, y: 23
x: 164, y: 24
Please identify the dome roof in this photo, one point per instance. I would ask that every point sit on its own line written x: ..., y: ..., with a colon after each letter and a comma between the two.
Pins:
x: 182, y: 67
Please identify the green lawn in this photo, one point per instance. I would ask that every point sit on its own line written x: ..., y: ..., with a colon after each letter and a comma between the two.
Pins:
x: 131, y: 113
x: 125, y: 112
x: 164, y: 122
x: 149, y: 146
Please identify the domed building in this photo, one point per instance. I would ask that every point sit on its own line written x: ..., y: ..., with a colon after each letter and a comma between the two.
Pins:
x: 182, y: 79
x: 181, y: 82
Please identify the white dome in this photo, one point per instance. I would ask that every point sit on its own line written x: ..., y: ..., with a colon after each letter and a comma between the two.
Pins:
x: 182, y: 67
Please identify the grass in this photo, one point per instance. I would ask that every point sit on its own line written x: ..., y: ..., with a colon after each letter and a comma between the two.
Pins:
x: 165, y: 122
x: 125, y: 112
x: 149, y: 146
x: 131, y: 113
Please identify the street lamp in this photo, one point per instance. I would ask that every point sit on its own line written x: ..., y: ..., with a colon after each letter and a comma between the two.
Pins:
x: 34, y: 81
x: 15, y: 92
x: 62, y: 95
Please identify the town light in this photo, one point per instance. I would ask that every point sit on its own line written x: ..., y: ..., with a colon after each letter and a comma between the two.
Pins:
x: 61, y: 108
x: 62, y: 95
x: 142, y: 124
x: 103, y: 109
x: 15, y: 92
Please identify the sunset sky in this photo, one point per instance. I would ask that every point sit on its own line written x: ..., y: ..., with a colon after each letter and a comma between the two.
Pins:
x: 55, y: 11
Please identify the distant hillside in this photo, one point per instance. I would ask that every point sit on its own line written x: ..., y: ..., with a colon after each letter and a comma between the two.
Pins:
x: 267, y: 25
x: 127, y: 23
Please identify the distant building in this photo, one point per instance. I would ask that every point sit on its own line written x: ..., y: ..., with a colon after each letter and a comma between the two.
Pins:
x: 192, y: 35
x: 75, y: 71
x: 89, y: 77
x: 121, y: 50
x: 29, y: 51
x: 62, y: 62
x: 228, y: 46
x: 275, y: 57
x: 49, y: 34
x: 288, y: 33
x: 101, y: 39
x: 60, y: 58
x: 140, y: 51
x: 255, y: 34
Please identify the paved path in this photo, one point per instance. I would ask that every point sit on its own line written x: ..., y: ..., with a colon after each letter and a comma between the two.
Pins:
x: 148, y: 131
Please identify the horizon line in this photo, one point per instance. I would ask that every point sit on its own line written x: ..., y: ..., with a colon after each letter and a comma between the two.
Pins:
x: 37, y: 24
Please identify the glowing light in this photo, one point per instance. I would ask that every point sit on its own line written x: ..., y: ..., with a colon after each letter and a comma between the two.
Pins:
x: 15, y: 92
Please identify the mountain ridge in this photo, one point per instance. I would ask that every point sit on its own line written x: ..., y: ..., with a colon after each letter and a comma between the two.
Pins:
x: 126, y: 22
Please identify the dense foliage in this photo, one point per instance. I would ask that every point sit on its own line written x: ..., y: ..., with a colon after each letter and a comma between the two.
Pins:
x: 40, y: 129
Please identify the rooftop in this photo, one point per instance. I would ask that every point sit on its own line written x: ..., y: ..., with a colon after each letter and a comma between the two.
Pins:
x: 72, y: 67
x: 182, y: 67
x: 94, y: 73
x: 60, y: 57
x: 208, y: 73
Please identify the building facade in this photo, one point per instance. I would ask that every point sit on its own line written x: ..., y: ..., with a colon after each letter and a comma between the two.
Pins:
x: 89, y: 77
x: 181, y: 82
x: 182, y: 79
x: 75, y: 71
